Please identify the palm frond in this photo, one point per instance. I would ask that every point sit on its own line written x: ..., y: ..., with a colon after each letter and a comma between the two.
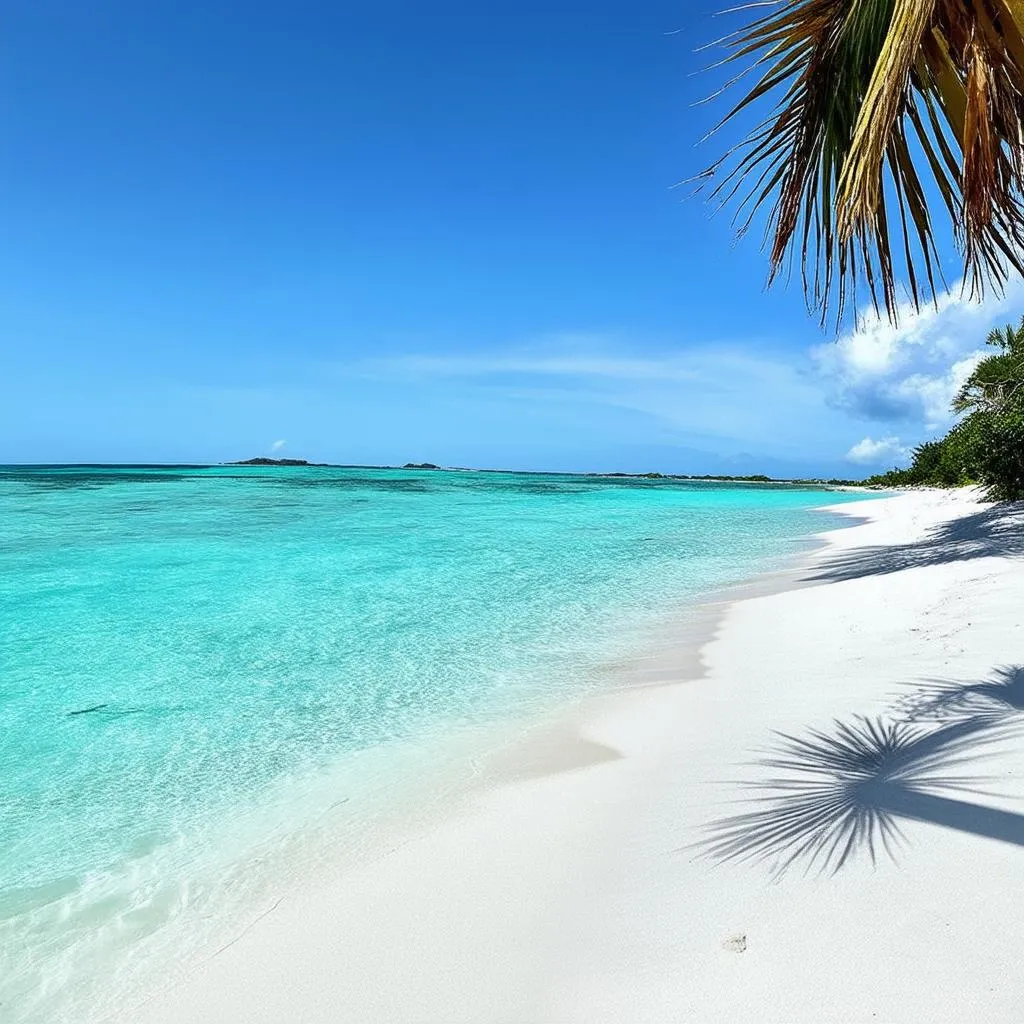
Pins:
x: 883, y: 110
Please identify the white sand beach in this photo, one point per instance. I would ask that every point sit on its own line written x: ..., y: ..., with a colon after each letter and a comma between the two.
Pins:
x: 617, y: 889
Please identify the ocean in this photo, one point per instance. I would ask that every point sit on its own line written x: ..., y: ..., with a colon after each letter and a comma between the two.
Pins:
x: 211, y: 675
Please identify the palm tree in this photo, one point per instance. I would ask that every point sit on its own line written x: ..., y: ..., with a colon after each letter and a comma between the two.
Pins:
x: 886, y: 111
x: 996, y: 382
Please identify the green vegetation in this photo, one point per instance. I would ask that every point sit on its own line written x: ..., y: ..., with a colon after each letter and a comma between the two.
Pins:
x: 755, y: 478
x: 987, y: 445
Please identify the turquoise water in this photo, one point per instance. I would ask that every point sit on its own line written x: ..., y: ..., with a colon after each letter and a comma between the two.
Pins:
x: 196, y: 663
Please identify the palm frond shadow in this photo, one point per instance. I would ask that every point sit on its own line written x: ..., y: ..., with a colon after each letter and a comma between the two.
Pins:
x: 995, y: 701
x: 997, y: 531
x: 845, y: 791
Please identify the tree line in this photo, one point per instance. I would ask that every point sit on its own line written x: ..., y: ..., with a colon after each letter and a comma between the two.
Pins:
x: 986, y: 446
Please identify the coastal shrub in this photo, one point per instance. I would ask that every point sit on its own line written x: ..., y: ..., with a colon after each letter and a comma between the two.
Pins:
x: 947, y: 462
x: 998, y: 452
x: 987, y: 445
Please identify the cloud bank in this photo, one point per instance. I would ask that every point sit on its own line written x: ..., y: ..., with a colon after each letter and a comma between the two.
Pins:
x: 696, y: 393
x: 754, y: 399
x: 910, y: 373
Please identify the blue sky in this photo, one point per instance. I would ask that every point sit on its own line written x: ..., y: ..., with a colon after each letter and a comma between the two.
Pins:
x: 400, y: 231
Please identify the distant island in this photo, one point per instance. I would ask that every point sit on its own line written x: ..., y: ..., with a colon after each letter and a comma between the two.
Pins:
x: 420, y: 465
x: 263, y: 461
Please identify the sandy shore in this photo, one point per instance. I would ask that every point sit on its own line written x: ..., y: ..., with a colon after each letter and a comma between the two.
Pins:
x: 636, y: 862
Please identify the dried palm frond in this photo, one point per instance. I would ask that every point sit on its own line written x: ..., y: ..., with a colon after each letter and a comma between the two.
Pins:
x: 884, y: 109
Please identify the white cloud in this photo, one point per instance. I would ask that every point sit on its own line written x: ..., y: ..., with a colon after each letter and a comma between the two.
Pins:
x: 871, y: 452
x: 910, y: 373
x: 277, y: 446
x: 784, y: 402
x: 536, y: 363
x: 705, y: 391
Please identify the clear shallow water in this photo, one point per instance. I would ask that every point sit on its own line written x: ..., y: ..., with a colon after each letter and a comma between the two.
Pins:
x: 253, y: 642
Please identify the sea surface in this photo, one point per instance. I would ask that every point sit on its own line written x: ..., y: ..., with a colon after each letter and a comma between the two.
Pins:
x: 203, y: 668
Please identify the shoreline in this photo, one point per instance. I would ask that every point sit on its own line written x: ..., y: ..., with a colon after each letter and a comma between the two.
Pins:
x: 282, y: 678
x: 568, y: 886
x: 121, y: 935
x: 673, y: 656
x: 467, y: 763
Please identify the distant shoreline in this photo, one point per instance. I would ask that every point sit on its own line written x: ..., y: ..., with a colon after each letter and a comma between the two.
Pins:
x: 269, y: 463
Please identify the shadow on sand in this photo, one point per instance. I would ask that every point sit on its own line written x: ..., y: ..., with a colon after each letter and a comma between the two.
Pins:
x: 835, y: 793
x: 993, y: 532
x: 996, y: 700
